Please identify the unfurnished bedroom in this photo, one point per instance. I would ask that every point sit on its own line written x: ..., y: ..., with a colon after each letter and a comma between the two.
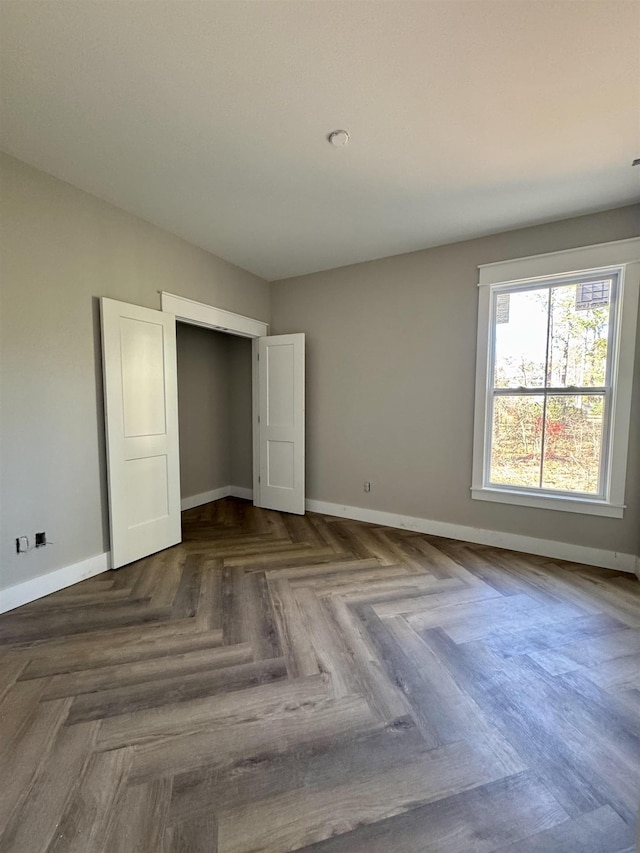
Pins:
x: 319, y: 426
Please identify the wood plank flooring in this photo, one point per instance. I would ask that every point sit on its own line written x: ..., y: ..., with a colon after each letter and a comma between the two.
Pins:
x: 279, y: 683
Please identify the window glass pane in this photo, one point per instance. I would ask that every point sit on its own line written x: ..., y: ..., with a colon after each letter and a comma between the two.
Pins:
x: 579, y: 333
x: 517, y: 440
x: 573, y: 443
x: 521, y: 338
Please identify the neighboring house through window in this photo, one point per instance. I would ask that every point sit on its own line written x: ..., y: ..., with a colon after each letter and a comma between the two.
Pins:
x: 556, y: 343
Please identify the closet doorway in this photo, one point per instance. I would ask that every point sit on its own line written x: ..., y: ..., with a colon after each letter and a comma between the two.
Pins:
x: 215, y: 415
x: 142, y: 418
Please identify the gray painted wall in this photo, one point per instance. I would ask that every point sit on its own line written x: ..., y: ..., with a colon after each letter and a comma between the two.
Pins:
x: 390, y: 382
x: 203, y: 410
x: 61, y: 249
x: 214, y: 409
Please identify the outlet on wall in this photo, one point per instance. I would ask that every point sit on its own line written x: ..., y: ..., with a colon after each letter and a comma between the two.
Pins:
x: 22, y: 544
x: 41, y: 540
x: 367, y: 486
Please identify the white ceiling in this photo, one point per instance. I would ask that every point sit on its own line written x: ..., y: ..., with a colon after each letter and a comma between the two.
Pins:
x: 210, y: 118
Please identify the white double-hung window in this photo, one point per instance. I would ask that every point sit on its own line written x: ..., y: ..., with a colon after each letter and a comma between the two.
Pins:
x: 556, y: 345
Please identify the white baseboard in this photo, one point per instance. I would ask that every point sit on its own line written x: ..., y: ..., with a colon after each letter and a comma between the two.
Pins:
x: 216, y: 495
x: 241, y: 492
x: 513, y: 541
x: 23, y: 593
x: 205, y: 498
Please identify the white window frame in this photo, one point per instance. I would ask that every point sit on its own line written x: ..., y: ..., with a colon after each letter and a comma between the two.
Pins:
x: 621, y: 257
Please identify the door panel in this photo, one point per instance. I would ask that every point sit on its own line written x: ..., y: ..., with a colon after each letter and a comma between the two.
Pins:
x: 141, y: 412
x: 281, y: 409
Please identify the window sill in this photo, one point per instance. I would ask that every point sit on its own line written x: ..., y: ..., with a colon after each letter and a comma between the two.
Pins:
x: 582, y: 506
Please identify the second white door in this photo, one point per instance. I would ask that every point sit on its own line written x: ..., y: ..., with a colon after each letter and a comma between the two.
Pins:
x: 281, y: 415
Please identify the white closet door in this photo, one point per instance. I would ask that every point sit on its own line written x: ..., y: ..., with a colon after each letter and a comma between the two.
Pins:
x: 141, y: 411
x: 281, y: 423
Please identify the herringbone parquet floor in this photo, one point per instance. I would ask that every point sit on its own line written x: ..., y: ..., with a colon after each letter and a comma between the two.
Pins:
x: 279, y: 683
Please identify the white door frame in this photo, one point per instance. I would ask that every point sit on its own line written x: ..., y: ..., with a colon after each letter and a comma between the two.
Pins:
x: 210, y: 317
x: 201, y: 314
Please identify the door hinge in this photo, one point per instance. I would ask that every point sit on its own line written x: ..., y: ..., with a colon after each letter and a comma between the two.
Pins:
x: 258, y: 418
x: 259, y: 478
x: 258, y: 356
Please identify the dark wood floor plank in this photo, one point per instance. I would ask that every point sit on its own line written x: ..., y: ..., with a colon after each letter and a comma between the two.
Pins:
x: 103, y: 640
x: 214, y: 747
x: 395, y: 591
x: 100, y: 678
x: 330, y: 651
x: 527, y: 640
x: 258, y: 618
x: 270, y: 554
x: 73, y: 599
x: 601, y: 831
x: 26, y: 742
x: 151, y: 694
x: 478, y: 820
x: 233, y: 624
x: 33, y: 826
x: 137, y: 820
x: 187, y: 596
x: 492, y: 611
x: 289, y: 821
x: 612, y: 598
x: 296, y: 560
x: 622, y: 724
x: 12, y: 665
x: 445, y: 713
x: 177, y: 585
x: 372, y: 544
x: 65, y: 621
x: 478, y: 560
x: 85, y: 821
x: 442, y: 564
x: 552, y: 578
x: 294, y: 640
x: 154, y: 579
x: 299, y: 529
x: 339, y: 581
x: 401, y: 546
x: 217, y: 712
x: 437, y: 725
x: 479, y: 627
x: 590, y: 652
x: 608, y: 742
x: 439, y: 597
x: 19, y: 704
x: 376, y: 684
x: 198, y: 834
x: 630, y: 699
x: 327, y: 536
x: 523, y: 708
x: 348, y: 542
x: 317, y: 570
x: 83, y: 655
x: 209, y: 612
x: 307, y: 768
x: 620, y: 674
